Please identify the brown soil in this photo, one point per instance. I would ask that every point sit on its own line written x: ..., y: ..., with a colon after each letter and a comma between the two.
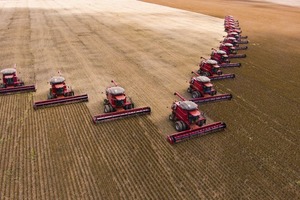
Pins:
x: 58, y: 153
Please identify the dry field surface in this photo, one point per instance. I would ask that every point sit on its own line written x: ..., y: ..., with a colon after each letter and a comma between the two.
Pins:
x: 58, y: 153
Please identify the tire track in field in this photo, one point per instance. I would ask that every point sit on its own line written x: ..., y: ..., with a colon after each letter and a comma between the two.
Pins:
x: 11, y: 147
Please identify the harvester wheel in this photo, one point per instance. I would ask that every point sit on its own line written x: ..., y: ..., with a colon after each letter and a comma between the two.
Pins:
x: 201, y: 123
x: 127, y: 107
x: 178, y: 126
x: 204, y: 73
x: 183, y: 126
x: 107, y: 109
x: 50, y: 96
x: 105, y: 102
x: 172, y: 117
x: 196, y: 94
x: 189, y: 90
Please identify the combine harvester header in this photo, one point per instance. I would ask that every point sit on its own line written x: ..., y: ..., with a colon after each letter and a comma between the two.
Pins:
x: 117, y: 105
x: 59, y: 93
x: 189, y: 134
x: 12, y: 84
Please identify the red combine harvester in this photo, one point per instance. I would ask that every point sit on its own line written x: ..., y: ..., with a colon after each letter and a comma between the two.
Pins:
x: 60, y: 93
x: 222, y: 58
x: 234, y: 42
x: 211, y: 69
x: 202, y: 90
x: 237, y: 36
x: 231, y: 51
x: 229, y: 26
x: 118, y: 105
x: 189, y: 121
x: 233, y: 29
x: 11, y: 83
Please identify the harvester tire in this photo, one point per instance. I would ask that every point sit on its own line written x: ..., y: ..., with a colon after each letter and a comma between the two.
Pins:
x: 205, y: 74
x: 105, y: 102
x: 107, y: 108
x: 180, y: 126
x: 196, y: 94
x: 172, y: 117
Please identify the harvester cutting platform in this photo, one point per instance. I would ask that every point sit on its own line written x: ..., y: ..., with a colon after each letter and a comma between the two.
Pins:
x: 189, y: 121
x: 60, y: 93
x: 202, y: 90
x: 11, y: 83
x: 118, y: 105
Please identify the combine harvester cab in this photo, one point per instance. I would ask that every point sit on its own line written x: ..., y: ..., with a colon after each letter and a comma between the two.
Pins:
x: 202, y: 90
x: 189, y: 122
x: 231, y: 51
x: 212, y: 70
x: 117, y: 105
x: 12, y: 84
x: 60, y: 93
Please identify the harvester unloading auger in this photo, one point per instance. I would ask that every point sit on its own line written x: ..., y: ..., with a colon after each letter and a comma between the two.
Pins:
x: 189, y: 121
x: 117, y: 105
x: 11, y: 83
x: 60, y: 93
x: 202, y: 90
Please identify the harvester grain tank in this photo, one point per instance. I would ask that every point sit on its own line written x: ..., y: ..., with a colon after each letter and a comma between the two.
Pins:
x: 117, y: 105
x: 11, y: 83
x: 59, y: 93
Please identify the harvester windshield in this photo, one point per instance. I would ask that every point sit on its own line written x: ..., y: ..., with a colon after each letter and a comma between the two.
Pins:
x: 193, y: 116
x: 216, y: 69
x: 9, y: 80
x: 59, y: 89
x: 119, y: 100
x: 207, y: 87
